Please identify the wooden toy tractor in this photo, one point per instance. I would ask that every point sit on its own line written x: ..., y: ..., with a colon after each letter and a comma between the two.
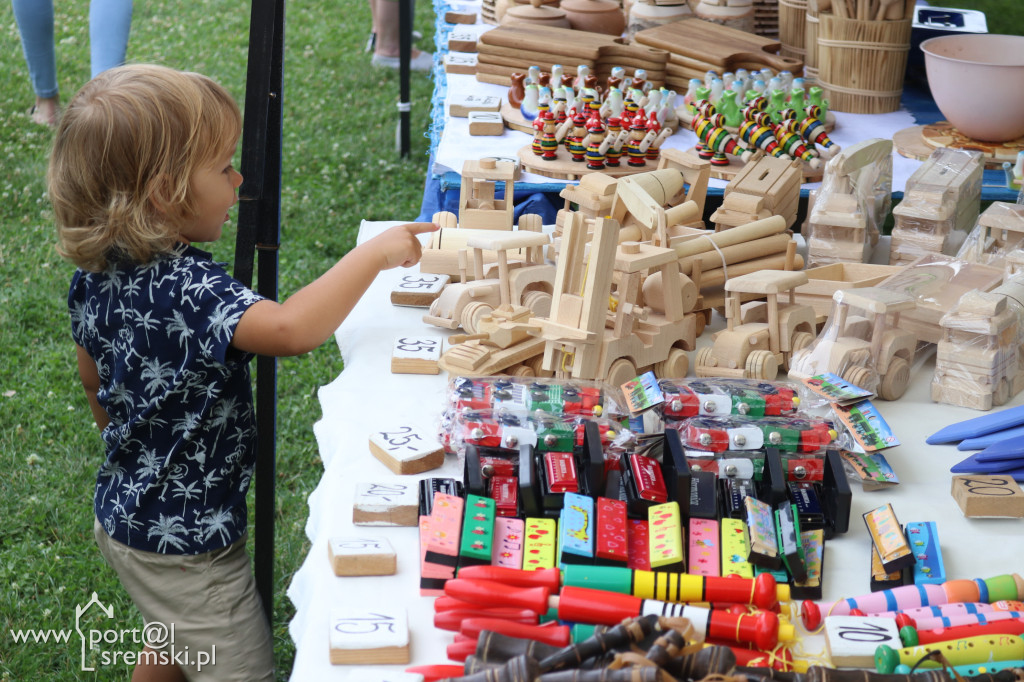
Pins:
x: 526, y: 283
x: 761, y: 335
x: 863, y: 343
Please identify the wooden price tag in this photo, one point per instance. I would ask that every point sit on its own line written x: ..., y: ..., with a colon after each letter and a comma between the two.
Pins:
x: 361, y: 555
x: 379, y: 635
x: 418, y: 290
x: 416, y: 355
x: 406, y: 450
x: 988, y: 496
x: 386, y: 504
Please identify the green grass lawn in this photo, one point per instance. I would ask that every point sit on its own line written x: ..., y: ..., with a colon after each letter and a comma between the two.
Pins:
x: 340, y: 166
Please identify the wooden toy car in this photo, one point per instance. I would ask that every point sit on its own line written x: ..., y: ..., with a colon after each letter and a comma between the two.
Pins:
x: 863, y: 343
x: 761, y: 336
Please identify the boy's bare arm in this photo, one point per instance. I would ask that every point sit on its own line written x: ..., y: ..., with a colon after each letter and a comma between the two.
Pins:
x: 91, y: 383
x: 312, y: 314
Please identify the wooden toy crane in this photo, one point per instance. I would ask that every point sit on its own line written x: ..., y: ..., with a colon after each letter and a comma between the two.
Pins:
x: 854, y: 198
x: 598, y: 327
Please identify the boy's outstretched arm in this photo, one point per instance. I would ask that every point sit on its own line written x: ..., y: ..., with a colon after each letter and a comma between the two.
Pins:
x: 309, y: 317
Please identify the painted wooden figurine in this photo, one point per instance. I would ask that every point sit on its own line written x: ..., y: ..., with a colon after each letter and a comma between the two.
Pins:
x: 812, y: 129
x: 717, y: 141
x: 574, y: 139
x: 597, y: 143
x: 757, y: 131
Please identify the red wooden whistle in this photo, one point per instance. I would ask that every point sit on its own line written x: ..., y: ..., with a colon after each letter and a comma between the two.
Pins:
x: 555, y: 635
x: 550, y: 578
x: 432, y: 673
x: 489, y: 593
x: 452, y: 620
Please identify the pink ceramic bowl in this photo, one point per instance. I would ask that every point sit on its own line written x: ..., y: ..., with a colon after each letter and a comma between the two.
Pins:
x: 977, y: 80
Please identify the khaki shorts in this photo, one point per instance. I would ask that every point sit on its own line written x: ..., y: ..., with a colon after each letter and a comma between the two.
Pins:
x: 208, y: 599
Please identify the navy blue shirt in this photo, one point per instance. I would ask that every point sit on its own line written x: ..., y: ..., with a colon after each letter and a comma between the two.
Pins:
x: 180, y: 446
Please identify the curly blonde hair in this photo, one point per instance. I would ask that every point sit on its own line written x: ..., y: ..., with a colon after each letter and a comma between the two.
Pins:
x: 123, y: 156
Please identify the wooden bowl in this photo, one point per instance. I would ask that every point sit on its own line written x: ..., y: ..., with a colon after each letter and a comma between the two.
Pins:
x: 977, y: 81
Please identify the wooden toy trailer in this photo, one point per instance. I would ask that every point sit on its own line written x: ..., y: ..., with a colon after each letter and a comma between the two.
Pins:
x: 761, y: 336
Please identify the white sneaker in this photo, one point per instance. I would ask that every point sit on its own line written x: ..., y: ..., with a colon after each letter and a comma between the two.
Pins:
x: 424, y: 61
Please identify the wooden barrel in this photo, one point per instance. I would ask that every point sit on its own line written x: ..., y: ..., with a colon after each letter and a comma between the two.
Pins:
x: 861, y: 63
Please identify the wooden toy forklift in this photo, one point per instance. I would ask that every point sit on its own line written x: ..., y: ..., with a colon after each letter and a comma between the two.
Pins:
x: 762, y: 335
x: 600, y: 326
x: 863, y: 343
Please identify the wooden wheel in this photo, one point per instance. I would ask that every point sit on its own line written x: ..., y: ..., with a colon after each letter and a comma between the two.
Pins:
x: 472, y: 314
x: 761, y: 364
x: 675, y: 366
x: 539, y: 302
x: 799, y: 341
x: 860, y: 377
x: 702, y: 366
x: 521, y: 371
x: 535, y: 364
x: 621, y: 371
x: 896, y: 380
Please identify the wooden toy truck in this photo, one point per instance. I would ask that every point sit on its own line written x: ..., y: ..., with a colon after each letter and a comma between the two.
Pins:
x: 980, y: 359
x: 599, y: 327
x: 761, y: 336
x: 862, y: 342
x: 526, y: 284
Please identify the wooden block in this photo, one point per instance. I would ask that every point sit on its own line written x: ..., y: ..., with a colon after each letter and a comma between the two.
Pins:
x: 852, y: 640
x: 612, y: 536
x: 981, y: 496
x: 361, y: 636
x: 460, y: 17
x: 541, y: 538
x: 460, y: 62
x: 445, y: 530
x: 361, y: 555
x: 666, y: 537
x: 924, y: 542
x: 638, y: 534
x: 735, y: 549
x: 576, y: 529
x: 704, y: 554
x: 462, y: 39
x: 477, y: 542
x: 486, y: 123
x: 386, y: 504
x: 463, y: 105
x: 508, y: 542
x: 418, y: 290
x: 406, y: 450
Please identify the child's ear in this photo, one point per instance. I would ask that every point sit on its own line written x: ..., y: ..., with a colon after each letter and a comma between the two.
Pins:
x: 161, y: 194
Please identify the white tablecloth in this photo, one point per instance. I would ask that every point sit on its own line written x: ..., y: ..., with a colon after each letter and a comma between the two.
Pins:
x: 367, y: 397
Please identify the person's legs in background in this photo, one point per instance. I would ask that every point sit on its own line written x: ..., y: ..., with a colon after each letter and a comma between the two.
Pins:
x: 110, y: 22
x: 386, y: 47
x: 35, y: 23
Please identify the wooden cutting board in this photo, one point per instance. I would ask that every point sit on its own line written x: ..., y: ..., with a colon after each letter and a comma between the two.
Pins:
x: 583, y: 45
x: 723, y: 47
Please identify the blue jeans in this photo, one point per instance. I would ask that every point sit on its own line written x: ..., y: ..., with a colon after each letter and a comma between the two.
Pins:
x: 109, y: 24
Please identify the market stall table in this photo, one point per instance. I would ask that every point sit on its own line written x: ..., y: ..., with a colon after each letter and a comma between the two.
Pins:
x: 367, y: 397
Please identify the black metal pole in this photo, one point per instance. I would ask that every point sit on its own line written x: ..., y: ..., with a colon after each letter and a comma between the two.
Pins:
x: 259, y: 236
x: 404, y: 73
